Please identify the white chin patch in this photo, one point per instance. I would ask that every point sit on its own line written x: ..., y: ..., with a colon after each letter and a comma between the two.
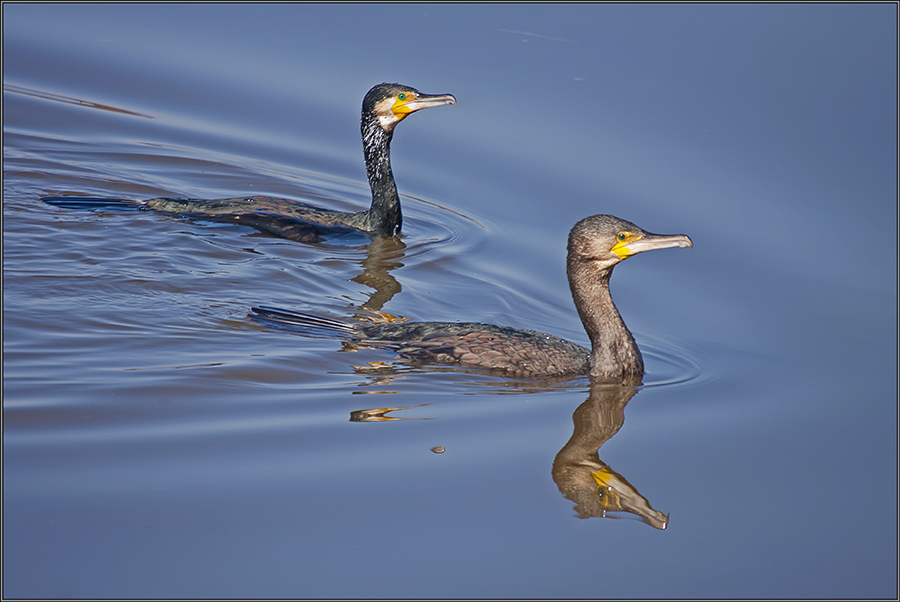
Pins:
x: 386, y: 116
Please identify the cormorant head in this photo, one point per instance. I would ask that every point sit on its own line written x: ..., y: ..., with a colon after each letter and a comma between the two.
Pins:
x: 606, y: 240
x: 389, y: 104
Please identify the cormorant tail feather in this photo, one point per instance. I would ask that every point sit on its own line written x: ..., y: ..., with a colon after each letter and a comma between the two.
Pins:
x: 92, y: 202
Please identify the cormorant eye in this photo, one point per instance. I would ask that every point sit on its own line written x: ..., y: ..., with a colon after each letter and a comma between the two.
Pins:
x: 621, y: 237
x: 401, y: 96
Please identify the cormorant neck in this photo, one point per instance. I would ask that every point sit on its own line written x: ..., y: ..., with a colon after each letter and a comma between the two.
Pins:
x: 614, y: 354
x: 384, y: 217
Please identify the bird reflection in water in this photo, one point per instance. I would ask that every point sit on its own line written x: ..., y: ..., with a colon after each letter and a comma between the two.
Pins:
x: 382, y: 256
x: 580, y: 475
x: 381, y: 414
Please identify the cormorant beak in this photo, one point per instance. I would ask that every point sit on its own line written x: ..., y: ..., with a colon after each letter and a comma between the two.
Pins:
x: 638, y: 243
x: 402, y: 108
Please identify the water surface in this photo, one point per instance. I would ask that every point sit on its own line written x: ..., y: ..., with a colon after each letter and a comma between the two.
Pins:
x: 158, y: 443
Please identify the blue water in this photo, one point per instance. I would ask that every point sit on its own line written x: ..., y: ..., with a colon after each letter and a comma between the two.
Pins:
x: 158, y: 443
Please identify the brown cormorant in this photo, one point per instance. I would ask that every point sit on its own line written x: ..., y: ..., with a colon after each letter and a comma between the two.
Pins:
x: 384, y: 106
x: 596, y: 245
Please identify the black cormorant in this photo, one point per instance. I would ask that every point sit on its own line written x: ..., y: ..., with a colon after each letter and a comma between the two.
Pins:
x: 596, y: 245
x: 384, y: 106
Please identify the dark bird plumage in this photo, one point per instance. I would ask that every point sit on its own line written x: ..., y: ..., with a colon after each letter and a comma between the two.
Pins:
x: 384, y: 106
x: 596, y: 245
